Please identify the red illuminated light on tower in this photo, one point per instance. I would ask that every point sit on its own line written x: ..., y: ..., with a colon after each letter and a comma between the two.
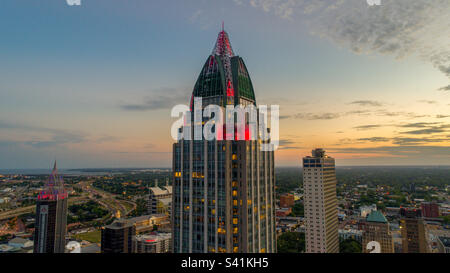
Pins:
x: 54, y: 189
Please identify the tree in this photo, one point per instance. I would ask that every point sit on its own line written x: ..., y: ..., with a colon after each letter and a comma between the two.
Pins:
x: 350, y: 246
x: 297, y: 210
x: 291, y: 242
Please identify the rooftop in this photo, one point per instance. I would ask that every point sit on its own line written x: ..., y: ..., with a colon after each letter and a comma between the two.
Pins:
x: 376, y: 216
x: 445, y: 241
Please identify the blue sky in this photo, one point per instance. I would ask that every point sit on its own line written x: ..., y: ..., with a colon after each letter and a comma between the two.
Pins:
x: 67, y: 73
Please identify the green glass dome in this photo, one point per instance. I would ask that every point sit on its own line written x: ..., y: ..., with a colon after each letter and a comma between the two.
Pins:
x: 224, y: 77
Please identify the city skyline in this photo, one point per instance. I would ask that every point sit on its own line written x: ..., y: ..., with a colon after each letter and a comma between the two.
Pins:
x: 96, y: 88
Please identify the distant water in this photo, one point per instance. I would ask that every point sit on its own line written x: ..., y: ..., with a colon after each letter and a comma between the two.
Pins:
x: 48, y: 171
x: 102, y: 171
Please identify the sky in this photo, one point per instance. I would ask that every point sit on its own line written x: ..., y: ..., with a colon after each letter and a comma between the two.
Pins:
x: 93, y: 85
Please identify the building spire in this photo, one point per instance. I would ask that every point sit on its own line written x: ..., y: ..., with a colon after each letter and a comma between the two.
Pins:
x: 54, y: 188
x: 223, y: 45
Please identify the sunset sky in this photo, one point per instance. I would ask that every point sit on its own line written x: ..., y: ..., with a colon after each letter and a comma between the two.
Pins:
x: 93, y: 85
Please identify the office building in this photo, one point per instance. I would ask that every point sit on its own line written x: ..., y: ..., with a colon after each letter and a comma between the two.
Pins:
x: 413, y: 231
x: 376, y: 228
x: 51, y: 216
x: 320, y: 202
x: 223, y: 190
x: 118, y: 237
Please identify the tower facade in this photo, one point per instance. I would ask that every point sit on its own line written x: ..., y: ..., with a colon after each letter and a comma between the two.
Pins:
x: 118, y: 237
x: 51, y: 216
x: 320, y: 202
x: 413, y: 231
x: 223, y: 190
x: 376, y: 228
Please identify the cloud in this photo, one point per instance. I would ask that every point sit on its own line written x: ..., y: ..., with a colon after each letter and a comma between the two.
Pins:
x: 410, y: 150
x: 418, y: 125
x: 288, y: 144
x: 282, y: 8
x: 445, y: 88
x: 401, y: 141
x: 367, y: 127
x: 410, y: 115
x: 320, y: 116
x: 195, y: 15
x: 367, y: 103
x: 330, y: 115
x: 442, y: 116
x: 399, y: 28
x: 162, y: 98
x: 409, y: 141
x: 426, y: 131
x: 51, y: 137
x: 375, y: 139
x: 428, y: 101
x: 285, y: 117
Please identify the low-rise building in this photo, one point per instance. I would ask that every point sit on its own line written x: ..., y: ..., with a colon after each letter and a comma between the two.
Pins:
x: 354, y: 234
x: 443, y: 244
x: 365, y: 210
x: 152, y: 243
x: 148, y: 223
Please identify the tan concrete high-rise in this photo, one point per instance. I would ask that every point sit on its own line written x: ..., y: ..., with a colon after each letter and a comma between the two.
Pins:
x: 413, y: 231
x: 319, y: 183
x: 376, y: 228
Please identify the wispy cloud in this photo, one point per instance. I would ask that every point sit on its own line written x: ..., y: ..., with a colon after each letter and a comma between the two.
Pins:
x: 427, y: 131
x: 428, y: 101
x: 162, y: 98
x: 399, y: 28
x: 367, y: 103
x: 318, y: 116
x: 445, y: 88
x: 367, y: 127
x: 50, y: 136
x: 411, y: 150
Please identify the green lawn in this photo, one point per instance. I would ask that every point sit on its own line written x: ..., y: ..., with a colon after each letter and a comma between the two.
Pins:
x: 93, y: 237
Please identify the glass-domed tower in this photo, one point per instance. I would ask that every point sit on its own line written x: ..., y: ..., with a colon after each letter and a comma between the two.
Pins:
x: 223, y: 190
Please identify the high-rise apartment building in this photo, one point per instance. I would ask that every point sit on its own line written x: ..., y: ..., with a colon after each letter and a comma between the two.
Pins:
x: 320, y: 202
x: 118, y: 237
x: 51, y: 216
x: 413, y: 231
x: 376, y: 228
x: 223, y: 190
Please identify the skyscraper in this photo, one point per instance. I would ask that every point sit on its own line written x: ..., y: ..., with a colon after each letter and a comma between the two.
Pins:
x: 319, y: 183
x: 376, y: 228
x: 223, y: 190
x: 413, y: 231
x: 51, y: 216
x: 118, y: 237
